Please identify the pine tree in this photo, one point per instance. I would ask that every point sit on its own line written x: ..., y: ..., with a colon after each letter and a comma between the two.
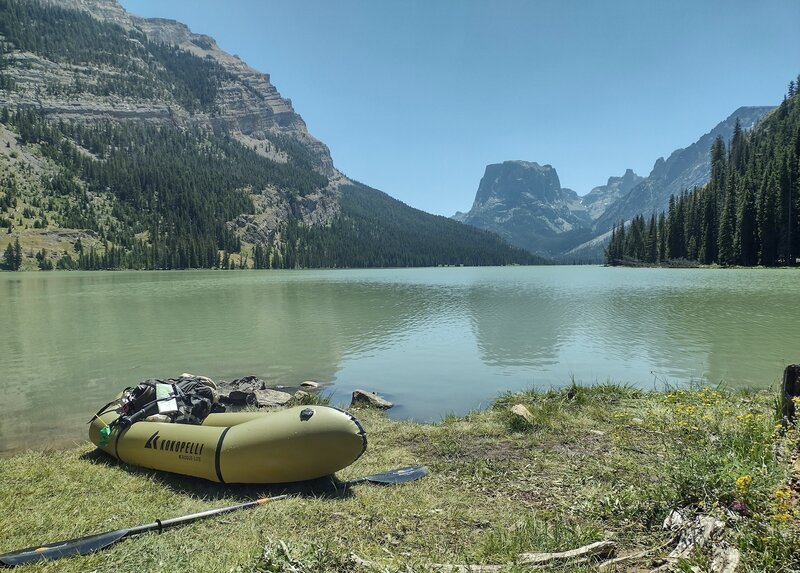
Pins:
x: 747, y: 246
x: 8, y: 255
x: 737, y: 151
x: 611, y: 248
x: 621, y: 240
x: 651, y: 241
x: 635, y: 242
x: 725, y: 244
x: 726, y: 240
x: 17, y: 255
x: 765, y: 218
x: 676, y: 248
x: 784, y: 209
x: 258, y: 257
x: 718, y: 163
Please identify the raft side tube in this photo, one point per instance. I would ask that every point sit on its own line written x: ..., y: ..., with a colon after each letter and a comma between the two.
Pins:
x: 295, y: 444
x: 305, y: 443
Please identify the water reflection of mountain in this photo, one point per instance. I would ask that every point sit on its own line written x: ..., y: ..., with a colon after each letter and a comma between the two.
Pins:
x: 519, y: 326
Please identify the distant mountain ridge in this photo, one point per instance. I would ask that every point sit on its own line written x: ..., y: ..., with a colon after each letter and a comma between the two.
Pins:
x: 683, y: 169
x: 598, y: 200
x: 524, y: 203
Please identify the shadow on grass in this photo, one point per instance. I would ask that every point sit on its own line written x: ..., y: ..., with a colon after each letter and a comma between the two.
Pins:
x: 329, y: 487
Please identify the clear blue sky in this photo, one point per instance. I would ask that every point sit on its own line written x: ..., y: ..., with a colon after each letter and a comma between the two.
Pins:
x: 416, y: 97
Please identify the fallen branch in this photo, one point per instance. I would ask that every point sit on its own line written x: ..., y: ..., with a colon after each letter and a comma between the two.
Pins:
x: 600, y: 549
x: 624, y: 559
x: 613, y: 563
x: 597, y: 550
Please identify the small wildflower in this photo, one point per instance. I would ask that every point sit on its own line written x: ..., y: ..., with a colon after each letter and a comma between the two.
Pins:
x: 741, y: 508
x: 782, y: 517
x: 743, y: 483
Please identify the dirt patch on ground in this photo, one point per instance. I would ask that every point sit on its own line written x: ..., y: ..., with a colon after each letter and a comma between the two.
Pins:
x: 468, y: 447
x: 585, y: 445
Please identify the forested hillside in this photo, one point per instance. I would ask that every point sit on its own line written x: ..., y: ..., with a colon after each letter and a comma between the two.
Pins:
x: 749, y: 212
x: 120, y: 150
x: 373, y: 229
x: 156, y: 197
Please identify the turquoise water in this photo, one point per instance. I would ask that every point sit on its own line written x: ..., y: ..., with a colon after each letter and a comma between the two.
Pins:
x: 434, y: 341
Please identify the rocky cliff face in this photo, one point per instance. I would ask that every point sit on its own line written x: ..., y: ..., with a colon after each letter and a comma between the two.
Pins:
x: 525, y: 203
x: 246, y: 106
x: 599, y: 199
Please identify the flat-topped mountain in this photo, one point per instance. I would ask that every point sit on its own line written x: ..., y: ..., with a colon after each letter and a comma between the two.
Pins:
x: 525, y: 203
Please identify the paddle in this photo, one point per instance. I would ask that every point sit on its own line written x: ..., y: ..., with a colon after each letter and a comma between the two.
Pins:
x: 92, y: 543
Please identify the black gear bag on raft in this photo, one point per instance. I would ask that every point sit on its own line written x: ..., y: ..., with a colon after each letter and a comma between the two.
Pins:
x: 181, y: 401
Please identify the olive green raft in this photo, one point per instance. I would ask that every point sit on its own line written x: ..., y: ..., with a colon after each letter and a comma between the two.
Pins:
x: 296, y: 444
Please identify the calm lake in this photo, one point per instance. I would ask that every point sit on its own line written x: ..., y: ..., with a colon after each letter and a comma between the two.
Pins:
x: 434, y: 341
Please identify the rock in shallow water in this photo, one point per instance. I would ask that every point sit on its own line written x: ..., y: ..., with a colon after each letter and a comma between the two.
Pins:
x: 364, y: 398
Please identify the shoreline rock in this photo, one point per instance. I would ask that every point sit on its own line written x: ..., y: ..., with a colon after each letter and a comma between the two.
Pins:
x: 365, y: 398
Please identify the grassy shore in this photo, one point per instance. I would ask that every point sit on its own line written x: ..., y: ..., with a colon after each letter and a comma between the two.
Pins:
x: 592, y: 463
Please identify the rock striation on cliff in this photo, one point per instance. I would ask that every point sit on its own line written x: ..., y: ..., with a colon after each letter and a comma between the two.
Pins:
x: 245, y: 106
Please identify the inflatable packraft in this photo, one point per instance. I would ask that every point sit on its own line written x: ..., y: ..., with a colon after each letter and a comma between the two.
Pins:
x: 295, y: 444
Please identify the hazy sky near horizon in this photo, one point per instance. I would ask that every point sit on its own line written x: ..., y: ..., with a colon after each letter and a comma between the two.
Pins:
x: 416, y: 97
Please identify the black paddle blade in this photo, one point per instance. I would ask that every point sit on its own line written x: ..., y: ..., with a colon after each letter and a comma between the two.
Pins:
x: 80, y: 546
x: 392, y: 477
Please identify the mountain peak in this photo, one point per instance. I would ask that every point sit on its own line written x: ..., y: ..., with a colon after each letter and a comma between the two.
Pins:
x: 528, y: 164
x: 524, y: 202
x: 513, y: 181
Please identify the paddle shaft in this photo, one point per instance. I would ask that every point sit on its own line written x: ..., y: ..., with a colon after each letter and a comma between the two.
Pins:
x: 92, y: 543
x: 163, y: 524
